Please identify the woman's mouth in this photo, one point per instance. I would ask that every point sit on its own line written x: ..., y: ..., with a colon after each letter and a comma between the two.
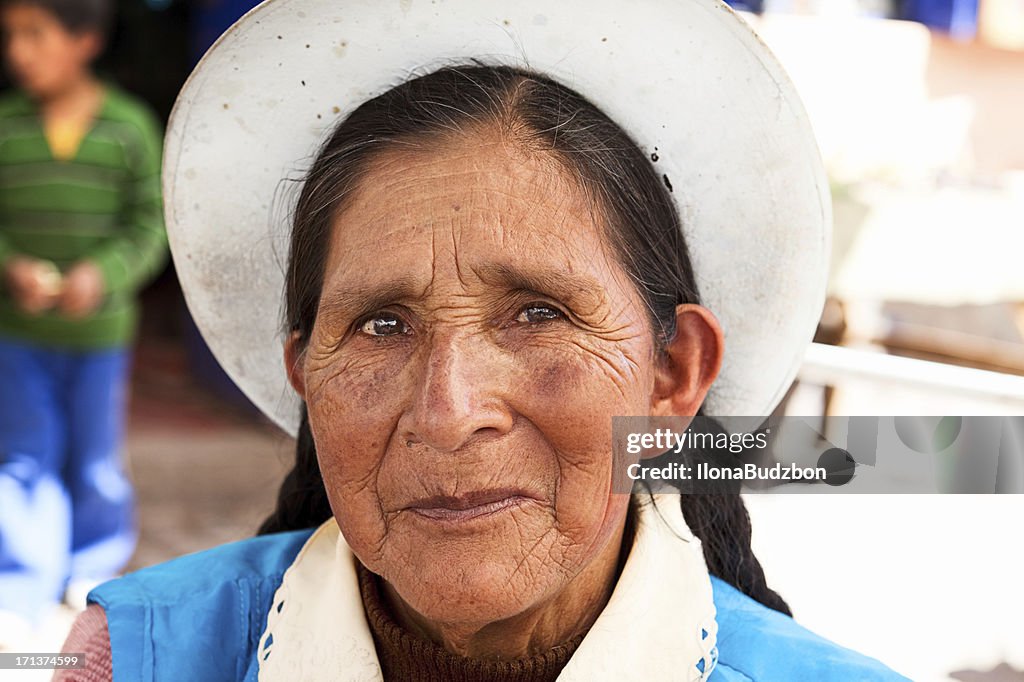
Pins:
x: 469, y: 507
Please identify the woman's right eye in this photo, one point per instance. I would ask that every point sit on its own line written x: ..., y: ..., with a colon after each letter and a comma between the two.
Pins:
x: 383, y: 324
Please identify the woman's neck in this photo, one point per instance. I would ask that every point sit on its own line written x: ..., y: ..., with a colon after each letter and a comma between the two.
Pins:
x: 540, y: 628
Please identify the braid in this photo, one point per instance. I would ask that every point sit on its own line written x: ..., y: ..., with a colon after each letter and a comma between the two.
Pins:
x: 302, y: 500
x: 723, y: 526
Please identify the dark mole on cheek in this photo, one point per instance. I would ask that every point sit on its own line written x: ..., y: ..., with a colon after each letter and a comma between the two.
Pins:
x: 456, y: 207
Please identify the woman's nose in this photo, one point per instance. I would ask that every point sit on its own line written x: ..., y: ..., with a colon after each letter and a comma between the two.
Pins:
x: 460, y: 396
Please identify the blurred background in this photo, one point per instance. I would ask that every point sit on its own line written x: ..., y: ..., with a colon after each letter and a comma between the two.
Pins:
x: 919, y: 108
x: 920, y: 124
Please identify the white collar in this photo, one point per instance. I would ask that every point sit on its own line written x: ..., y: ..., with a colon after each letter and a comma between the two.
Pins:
x: 659, y: 623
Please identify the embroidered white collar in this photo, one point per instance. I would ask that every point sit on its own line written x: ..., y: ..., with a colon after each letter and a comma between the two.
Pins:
x: 659, y: 623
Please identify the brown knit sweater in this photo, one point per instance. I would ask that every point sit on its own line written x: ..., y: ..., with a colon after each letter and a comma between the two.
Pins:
x: 403, y: 656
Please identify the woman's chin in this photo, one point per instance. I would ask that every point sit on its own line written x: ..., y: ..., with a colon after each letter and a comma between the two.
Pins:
x: 480, y: 587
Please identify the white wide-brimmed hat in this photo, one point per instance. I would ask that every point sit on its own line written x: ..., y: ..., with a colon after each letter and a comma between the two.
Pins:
x: 687, y: 79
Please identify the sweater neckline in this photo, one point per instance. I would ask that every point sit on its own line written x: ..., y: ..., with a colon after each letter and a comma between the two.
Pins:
x: 407, y: 656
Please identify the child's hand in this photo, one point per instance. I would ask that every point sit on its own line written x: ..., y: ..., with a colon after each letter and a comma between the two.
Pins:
x: 83, y: 290
x: 35, y: 284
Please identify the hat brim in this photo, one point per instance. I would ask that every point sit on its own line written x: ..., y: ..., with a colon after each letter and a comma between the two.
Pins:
x: 687, y: 79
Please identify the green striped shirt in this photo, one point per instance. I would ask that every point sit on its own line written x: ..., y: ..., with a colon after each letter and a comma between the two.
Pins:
x: 103, y: 204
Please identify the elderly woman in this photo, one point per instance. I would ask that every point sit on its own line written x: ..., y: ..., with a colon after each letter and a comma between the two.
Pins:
x: 484, y: 269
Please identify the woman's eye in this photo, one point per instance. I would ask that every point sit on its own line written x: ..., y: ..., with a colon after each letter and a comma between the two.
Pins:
x: 534, y: 314
x: 384, y: 324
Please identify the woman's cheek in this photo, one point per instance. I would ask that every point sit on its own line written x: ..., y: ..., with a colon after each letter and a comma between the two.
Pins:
x: 571, y: 388
x: 571, y: 392
x: 358, y: 371
x: 353, y: 406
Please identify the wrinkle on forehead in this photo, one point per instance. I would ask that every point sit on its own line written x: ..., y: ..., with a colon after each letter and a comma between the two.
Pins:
x: 485, y: 168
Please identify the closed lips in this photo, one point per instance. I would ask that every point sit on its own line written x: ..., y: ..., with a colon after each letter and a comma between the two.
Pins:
x: 469, y: 506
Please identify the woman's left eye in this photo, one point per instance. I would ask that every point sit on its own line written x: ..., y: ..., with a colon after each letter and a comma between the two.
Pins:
x: 534, y: 314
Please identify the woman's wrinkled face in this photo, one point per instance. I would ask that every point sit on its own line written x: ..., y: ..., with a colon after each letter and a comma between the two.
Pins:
x: 474, y: 339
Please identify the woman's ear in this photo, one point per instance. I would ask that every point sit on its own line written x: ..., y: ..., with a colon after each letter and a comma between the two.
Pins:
x: 689, y: 364
x: 294, y: 354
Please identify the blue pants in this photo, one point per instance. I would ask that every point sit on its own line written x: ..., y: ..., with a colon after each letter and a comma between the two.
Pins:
x: 66, y: 506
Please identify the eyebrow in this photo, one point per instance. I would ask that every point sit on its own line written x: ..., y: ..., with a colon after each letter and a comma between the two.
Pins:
x: 576, y: 291
x: 366, y: 298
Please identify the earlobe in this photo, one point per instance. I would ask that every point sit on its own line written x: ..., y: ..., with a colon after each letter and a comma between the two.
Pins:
x: 689, y: 364
x: 294, y: 354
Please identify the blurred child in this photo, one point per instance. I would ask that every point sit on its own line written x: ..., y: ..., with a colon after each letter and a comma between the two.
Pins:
x: 81, y: 230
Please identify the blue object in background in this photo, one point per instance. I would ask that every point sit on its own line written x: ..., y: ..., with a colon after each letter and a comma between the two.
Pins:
x: 959, y: 18
x: 212, y: 18
x: 756, y: 6
x: 67, y: 509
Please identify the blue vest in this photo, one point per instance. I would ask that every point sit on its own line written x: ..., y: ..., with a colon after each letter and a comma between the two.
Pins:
x: 200, y: 617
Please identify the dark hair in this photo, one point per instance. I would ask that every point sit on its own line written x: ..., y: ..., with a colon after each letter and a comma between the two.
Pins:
x: 76, y: 16
x: 638, y: 213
